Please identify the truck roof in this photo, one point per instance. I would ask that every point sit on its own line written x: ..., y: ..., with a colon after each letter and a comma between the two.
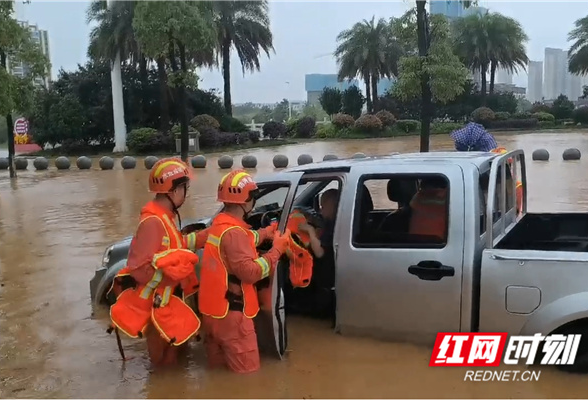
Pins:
x: 464, y: 159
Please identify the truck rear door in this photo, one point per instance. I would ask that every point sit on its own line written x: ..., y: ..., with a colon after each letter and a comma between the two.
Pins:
x: 391, y: 283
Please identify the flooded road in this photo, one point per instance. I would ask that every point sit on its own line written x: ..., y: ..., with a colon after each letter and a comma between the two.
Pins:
x: 54, y: 227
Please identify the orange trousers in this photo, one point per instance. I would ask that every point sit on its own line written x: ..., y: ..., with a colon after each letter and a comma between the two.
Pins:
x: 161, y: 353
x: 231, y: 341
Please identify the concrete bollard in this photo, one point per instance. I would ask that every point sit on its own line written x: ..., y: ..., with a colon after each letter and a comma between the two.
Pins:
x: 106, y: 163
x: 3, y: 163
x: 280, y: 161
x: 21, y: 163
x: 540, y: 155
x: 41, y: 163
x: 225, y: 162
x: 128, y: 162
x: 62, y: 162
x: 249, y: 161
x: 304, y: 159
x: 571, y: 154
x: 150, y: 161
x: 329, y: 157
x: 84, y: 162
x: 198, y: 161
x: 359, y: 155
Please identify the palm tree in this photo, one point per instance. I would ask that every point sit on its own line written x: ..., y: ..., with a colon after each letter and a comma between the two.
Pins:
x: 368, y: 50
x: 114, y: 33
x: 246, y: 26
x: 489, y: 41
x: 578, y: 54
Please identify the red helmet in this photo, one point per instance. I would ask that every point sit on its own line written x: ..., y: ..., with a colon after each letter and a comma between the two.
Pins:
x: 236, y: 187
x: 167, y: 174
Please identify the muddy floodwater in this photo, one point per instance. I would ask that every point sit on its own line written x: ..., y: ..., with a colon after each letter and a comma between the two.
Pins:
x: 54, y: 227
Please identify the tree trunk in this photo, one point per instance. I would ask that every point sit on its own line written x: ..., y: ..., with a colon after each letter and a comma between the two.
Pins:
x: 368, y: 92
x: 226, y: 54
x: 9, y: 128
x: 144, y: 89
x: 483, y: 89
x: 163, y: 94
x: 184, y: 139
x: 375, y: 106
x: 426, y: 95
x: 492, y: 76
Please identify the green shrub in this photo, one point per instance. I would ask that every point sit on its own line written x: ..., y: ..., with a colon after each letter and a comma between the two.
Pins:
x: 515, y: 124
x: 501, y: 116
x: 543, y: 116
x: 144, y: 140
x: 326, y: 131
x: 581, y: 115
x: 204, y: 121
x: 547, y: 124
x: 343, y: 120
x: 538, y: 107
x: 253, y: 136
x: 440, y: 128
x: 522, y: 115
x: 386, y: 117
x: 291, y: 127
x: 230, y: 124
x: 306, y: 127
x: 368, y: 123
x: 483, y: 116
x: 408, y: 125
x: 273, y: 129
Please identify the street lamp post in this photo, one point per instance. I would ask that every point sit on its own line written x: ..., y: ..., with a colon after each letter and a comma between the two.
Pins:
x: 289, y: 102
x: 118, y: 110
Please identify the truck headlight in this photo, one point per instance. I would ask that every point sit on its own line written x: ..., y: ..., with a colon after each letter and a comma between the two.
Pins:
x: 106, y: 257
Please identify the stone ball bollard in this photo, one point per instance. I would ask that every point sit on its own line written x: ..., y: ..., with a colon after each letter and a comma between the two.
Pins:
x: 128, y: 162
x: 84, y: 162
x: 21, y: 163
x: 198, y: 161
x: 41, y: 163
x: 249, y: 161
x: 106, y: 163
x: 304, y: 159
x: 225, y: 162
x: 3, y: 163
x: 571, y: 154
x: 150, y: 161
x: 280, y: 161
x: 329, y: 157
x: 540, y: 155
x: 62, y: 162
x: 359, y: 155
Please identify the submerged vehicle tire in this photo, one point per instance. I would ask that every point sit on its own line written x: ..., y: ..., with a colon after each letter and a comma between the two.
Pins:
x: 580, y: 365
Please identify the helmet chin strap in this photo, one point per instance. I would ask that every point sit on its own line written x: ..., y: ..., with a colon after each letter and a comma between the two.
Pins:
x: 175, y: 208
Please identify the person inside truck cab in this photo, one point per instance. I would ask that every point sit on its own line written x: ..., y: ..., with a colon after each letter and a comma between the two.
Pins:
x: 429, y: 209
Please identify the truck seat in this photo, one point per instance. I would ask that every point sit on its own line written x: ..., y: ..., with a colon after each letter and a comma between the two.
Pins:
x: 400, y: 191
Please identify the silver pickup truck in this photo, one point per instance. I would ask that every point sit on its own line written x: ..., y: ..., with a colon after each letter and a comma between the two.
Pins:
x: 494, y: 270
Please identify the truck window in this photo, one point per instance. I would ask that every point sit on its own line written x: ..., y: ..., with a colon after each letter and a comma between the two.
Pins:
x: 399, y: 210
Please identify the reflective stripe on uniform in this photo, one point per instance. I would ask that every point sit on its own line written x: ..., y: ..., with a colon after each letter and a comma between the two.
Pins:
x: 147, y: 291
x: 255, y: 236
x: 191, y: 241
x: 167, y: 292
x: 265, y: 268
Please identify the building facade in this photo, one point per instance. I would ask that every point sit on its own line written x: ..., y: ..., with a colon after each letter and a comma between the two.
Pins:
x: 503, y: 76
x: 449, y: 8
x: 315, y: 83
x: 535, y: 82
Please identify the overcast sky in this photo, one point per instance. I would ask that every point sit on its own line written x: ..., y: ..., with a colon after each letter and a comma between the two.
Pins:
x: 304, y: 38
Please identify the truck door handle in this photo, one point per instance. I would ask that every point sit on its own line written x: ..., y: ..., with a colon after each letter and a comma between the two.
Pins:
x: 431, y: 270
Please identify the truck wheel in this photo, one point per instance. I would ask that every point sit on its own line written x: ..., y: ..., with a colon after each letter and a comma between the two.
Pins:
x: 580, y: 365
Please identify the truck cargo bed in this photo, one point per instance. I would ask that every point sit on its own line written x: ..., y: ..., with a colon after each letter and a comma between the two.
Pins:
x: 549, y: 232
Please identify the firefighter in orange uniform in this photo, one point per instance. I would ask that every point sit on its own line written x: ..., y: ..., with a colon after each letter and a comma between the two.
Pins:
x: 161, y: 265
x: 231, y: 266
x: 519, y: 188
x: 429, y: 209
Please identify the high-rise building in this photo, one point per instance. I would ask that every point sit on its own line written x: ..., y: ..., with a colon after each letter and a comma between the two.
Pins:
x: 503, y: 76
x: 474, y: 10
x: 555, y: 73
x: 41, y: 38
x: 535, y: 83
x: 315, y: 83
x: 449, y: 8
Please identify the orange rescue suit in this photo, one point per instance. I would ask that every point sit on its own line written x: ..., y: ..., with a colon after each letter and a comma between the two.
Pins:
x: 429, y: 213
x: 155, y: 301
x: 301, y: 261
x: 519, y: 197
x: 214, y: 298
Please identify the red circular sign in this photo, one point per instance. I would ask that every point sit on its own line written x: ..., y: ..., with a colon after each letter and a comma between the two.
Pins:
x: 21, y: 126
